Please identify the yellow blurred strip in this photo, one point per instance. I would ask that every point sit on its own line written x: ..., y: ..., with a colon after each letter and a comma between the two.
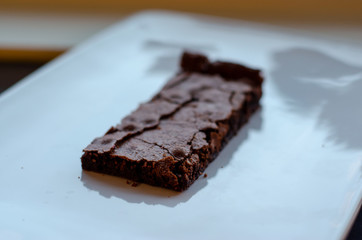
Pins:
x: 29, y: 55
x: 315, y: 10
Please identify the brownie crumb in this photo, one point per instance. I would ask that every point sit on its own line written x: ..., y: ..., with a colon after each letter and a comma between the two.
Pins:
x: 134, y: 184
x: 128, y: 182
x: 205, y: 175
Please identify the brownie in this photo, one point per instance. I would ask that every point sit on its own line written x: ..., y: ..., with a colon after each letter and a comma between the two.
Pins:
x: 170, y: 140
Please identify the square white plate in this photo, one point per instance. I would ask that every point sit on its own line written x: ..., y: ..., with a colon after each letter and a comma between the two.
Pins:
x: 293, y: 172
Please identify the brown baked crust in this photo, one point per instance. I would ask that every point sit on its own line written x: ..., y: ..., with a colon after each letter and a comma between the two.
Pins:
x: 170, y: 140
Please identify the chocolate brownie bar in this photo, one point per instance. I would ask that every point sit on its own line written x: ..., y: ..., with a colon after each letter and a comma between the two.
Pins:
x: 170, y: 140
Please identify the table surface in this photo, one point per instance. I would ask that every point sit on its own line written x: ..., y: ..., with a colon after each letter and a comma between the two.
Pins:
x: 58, y: 31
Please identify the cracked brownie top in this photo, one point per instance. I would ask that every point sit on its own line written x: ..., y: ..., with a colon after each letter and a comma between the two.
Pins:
x: 178, y: 120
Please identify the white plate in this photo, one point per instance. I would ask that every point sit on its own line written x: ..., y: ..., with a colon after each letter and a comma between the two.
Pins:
x: 293, y: 172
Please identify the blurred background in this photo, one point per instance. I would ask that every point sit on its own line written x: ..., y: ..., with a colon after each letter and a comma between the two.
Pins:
x: 38, y: 30
x: 33, y: 32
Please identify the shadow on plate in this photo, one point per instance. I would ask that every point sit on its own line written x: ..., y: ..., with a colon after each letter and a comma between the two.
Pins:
x: 310, y: 79
x: 109, y: 186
